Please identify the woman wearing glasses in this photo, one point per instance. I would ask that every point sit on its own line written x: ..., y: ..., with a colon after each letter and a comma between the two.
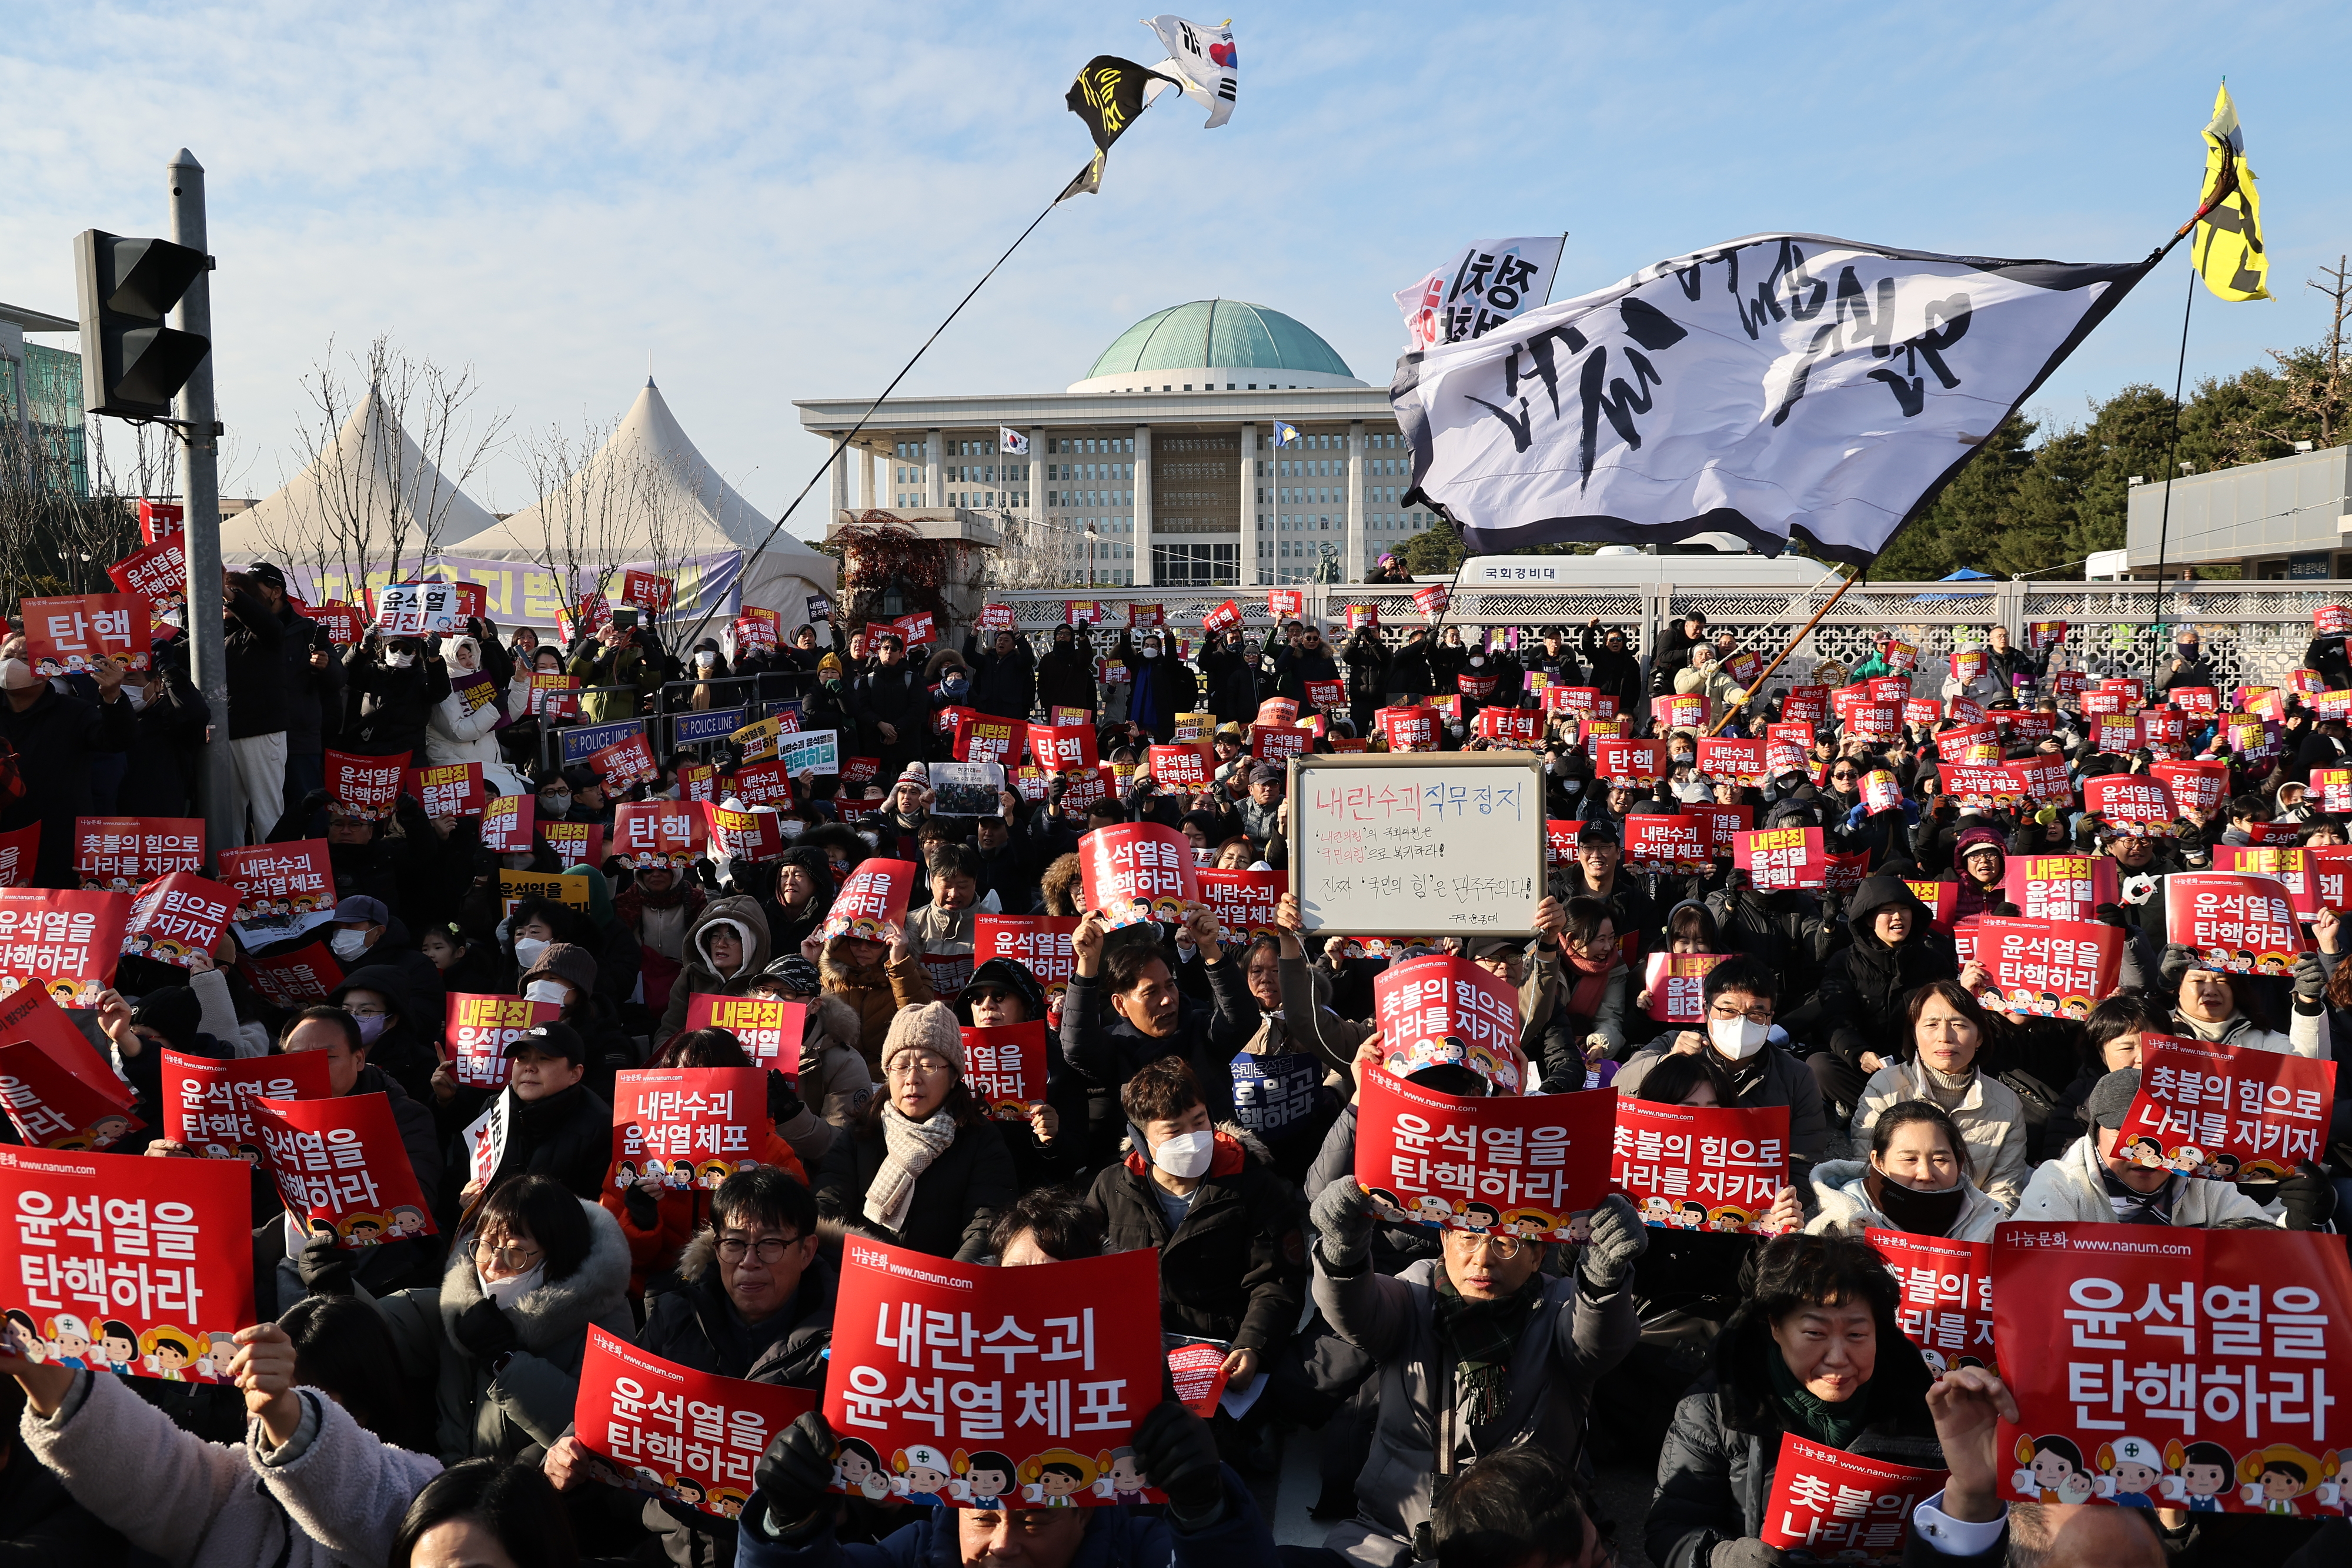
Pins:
x: 922, y: 1165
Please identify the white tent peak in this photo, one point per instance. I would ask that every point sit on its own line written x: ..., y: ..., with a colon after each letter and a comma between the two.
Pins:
x: 374, y: 456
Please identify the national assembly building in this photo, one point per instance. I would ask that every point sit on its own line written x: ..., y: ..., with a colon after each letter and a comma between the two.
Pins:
x: 1160, y: 466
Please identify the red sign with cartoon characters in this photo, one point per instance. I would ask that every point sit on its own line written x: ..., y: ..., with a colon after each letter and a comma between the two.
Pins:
x: 687, y: 1436
x: 1689, y: 1167
x: 2234, y: 1113
x: 1524, y: 1165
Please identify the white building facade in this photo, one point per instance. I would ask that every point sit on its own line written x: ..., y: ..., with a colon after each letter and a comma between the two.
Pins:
x: 1160, y: 462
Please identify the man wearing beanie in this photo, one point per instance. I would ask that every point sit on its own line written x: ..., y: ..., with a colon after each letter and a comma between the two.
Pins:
x: 923, y: 1166
x: 2095, y: 1181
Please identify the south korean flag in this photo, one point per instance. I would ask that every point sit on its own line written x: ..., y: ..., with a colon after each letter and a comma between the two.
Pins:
x: 1012, y: 442
x: 1788, y: 389
x: 1203, y: 60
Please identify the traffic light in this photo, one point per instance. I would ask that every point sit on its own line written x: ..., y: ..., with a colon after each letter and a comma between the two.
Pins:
x: 131, y: 363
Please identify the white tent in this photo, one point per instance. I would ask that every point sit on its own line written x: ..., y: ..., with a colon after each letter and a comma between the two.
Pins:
x: 374, y: 456
x: 649, y: 444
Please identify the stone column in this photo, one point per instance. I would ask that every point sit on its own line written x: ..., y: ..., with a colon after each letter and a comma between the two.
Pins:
x: 1036, y: 482
x: 1357, y: 564
x: 1253, y: 569
x: 1143, y: 576
x: 935, y: 475
x: 840, y: 477
x: 870, y: 498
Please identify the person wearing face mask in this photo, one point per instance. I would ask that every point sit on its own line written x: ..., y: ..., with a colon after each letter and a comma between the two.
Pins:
x: 657, y: 907
x: 1308, y: 659
x: 1945, y: 1067
x: 565, y: 974
x: 2188, y: 666
x: 893, y: 708
x: 726, y: 946
x: 1738, y: 1034
x: 1229, y: 671
x: 946, y: 677
x: 554, y: 802
x: 397, y: 684
x: 462, y: 725
x: 1915, y: 1179
x: 1232, y: 1260
x: 377, y: 997
x: 1065, y: 675
x: 367, y: 932
x: 160, y: 770
x: 709, y: 667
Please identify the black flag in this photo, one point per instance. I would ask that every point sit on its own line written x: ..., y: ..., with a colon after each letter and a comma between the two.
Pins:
x: 1108, y: 94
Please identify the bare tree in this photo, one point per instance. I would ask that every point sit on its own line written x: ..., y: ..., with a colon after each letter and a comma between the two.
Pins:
x: 583, y: 508
x: 1036, y: 553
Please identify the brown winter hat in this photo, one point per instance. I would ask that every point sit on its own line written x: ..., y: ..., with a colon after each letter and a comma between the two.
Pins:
x: 931, y: 1027
x: 565, y: 961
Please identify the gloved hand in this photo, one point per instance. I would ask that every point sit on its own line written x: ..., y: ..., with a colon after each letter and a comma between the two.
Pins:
x: 784, y: 1102
x: 1746, y: 1552
x: 2310, y: 979
x: 1178, y: 1456
x: 2309, y: 1197
x: 325, y: 1268
x: 483, y: 1329
x: 1344, y: 1223
x: 1618, y: 1237
x: 645, y: 1210
x: 2178, y: 961
x: 794, y: 1472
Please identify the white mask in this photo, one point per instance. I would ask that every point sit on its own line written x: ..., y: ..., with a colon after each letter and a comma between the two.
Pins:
x: 348, y: 943
x: 790, y: 828
x: 1150, y: 653
x: 400, y: 661
x: 1477, y: 660
x: 554, y: 991
x: 528, y: 949
x: 1187, y: 1155
x: 135, y: 695
x: 505, y: 1291
x: 1737, y: 1038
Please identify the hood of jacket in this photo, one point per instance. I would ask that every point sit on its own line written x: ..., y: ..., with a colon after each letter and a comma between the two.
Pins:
x: 742, y: 912
x: 1060, y: 885
x: 1844, y: 1201
x: 1877, y: 893
x: 1970, y: 838
x: 545, y: 1317
x: 1014, y: 974
x: 830, y: 1017
x: 841, y: 975
x: 387, y: 982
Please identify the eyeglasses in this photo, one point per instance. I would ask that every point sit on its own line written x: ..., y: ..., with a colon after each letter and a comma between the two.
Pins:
x: 909, y: 1065
x: 513, y: 1256
x: 1760, y: 1013
x: 1501, y: 1247
x: 1849, y: 775
x: 767, y: 1249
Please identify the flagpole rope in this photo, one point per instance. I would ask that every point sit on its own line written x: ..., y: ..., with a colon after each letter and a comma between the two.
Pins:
x: 2171, y: 461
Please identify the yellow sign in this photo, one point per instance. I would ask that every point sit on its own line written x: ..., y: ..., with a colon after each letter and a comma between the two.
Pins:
x: 570, y: 888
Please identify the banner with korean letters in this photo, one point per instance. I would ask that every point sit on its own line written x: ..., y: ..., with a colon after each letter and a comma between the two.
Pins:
x: 2241, y: 925
x: 1006, y: 1067
x: 174, y: 917
x: 1676, y: 983
x: 1830, y: 1506
x: 1446, y: 1011
x: 694, y: 1126
x: 1138, y: 872
x: 2228, y: 1112
x: 208, y: 1104
x: 343, y: 1169
x: 1947, y: 1305
x: 971, y: 1386
x: 1039, y: 942
x: 2172, y: 1366
x: 121, y: 853
x: 2048, y: 969
x: 1245, y: 903
x: 480, y: 1027
x: 1526, y: 1166
x: 2060, y: 887
x: 1687, y: 1168
x: 691, y: 1437
x: 65, y: 941
x: 872, y: 904
x: 769, y: 1029
x: 124, y: 1264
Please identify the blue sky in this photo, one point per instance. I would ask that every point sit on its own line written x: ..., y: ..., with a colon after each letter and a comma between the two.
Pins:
x: 779, y: 201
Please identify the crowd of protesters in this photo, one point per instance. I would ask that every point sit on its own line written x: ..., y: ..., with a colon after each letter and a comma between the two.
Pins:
x: 411, y: 1403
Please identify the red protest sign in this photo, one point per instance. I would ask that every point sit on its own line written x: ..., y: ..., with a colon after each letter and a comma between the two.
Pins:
x: 1054, y: 1366
x: 2241, y: 925
x: 2331, y: 875
x: 872, y: 904
x: 2198, y: 786
x: 648, y: 833
x: 1326, y: 694
x: 2049, y: 968
x: 1690, y: 1167
x: 447, y: 790
x: 1198, y: 1372
x: 20, y: 854
x: 1677, y: 985
x: 1040, y: 943
x: 1829, y: 1505
x: 1276, y: 743
x: 1676, y: 845
x: 208, y: 1106
x: 1408, y: 728
x: 76, y: 632
x: 1183, y: 766
x: 1737, y: 762
x: 2060, y: 887
x: 1520, y: 1165
x: 1224, y: 617
x: 1942, y: 899
x: 365, y: 787
x: 2228, y: 1112
x: 1807, y: 706
x: 1878, y: 723
x: 65, y: 941
x: 1629, y: 764
x: 1724, y: 824
x: 176, y: 915
x: 1509, y: 727
x: 982, y: 738
x: 1135, y: 872
x: 125, y: 1264
x: 2241, y: 1327
x: 1082, y: 788
x: 121, y: 853
x: 687, y: 1436
x: 1062, y: 746
x: 761, y: 784
x: 695, y: 1126
x: 1922, y: 711
x: 629, y: 760
x: 1243, y: 901
x: 1430, y: 601
x: 645, y: 590
x: 1446, y: 1011
x: 479, y: 1029
x: 157, y: 574
x: 1779, y: 858
x: 508, y: 824
x: 2135, y: 805
x: 742, y: 835
x: 1281, y: 602
x: 345, y: 624
x: 64, y: 1100
x: 1680, y: 710
x: 294, y: 979
x: 573, y: 844
x: 2286, y: 833
x: 340, y: 1165
x: 769, y: 1029
x: 1947, y: 1305
x: 2291, y: 868
x: 1006, y: 1067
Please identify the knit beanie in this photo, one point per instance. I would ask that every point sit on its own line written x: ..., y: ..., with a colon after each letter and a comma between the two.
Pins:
x: 565, y: 961
x: 931, y: 1027
x: 174, y: 1012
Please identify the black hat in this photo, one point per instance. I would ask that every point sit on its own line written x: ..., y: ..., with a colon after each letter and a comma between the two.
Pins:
x: 264, y: 572
x: 2111, y: 1097
x: 556, y: 1038
x: 1596, y: 831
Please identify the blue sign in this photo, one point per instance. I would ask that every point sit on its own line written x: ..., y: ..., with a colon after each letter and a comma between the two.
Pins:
x: 715, y: 723
x: 583, y: 739
x: 1271, y: 1093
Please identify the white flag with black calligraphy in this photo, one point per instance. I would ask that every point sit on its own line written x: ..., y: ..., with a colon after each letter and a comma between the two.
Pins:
x: 1784, y: 388
x: 1489, y: 285
x: 1204, y: 62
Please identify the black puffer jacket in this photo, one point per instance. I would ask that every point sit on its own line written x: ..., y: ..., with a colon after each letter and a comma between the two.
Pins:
x: 52, y: 741
x: 1065, y: 677
x: 314, y: 696
x: 391, y: 708
x: 1003, y: 684
x: 255, y: 662
x: 567, y: 1135
x: 956, y: 1198
x: 1714, y: 1474
x: 1235, y: 1269
x: 1866, y: 988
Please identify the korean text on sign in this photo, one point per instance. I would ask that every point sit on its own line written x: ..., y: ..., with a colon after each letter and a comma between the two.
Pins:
x: 2233, y: 1113
x: 1515, y: 1164
x: 1947, y: 1305
x: 694, y: 1126
x: 693, y: 1437
x: 1700, y: 1169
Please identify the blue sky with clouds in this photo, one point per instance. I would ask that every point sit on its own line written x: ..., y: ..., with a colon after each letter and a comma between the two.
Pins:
x: 779, y: 201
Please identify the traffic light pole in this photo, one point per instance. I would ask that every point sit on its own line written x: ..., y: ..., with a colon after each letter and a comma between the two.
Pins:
x: 200, y: 493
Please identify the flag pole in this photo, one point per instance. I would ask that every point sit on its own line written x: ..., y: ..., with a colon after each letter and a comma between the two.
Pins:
x: 1733, y: 711
x: 2171, y: 468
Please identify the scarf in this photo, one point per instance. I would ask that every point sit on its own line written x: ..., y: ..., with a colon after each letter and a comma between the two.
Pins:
x: 1590, y: 987
x: 1480, y: 1337
x: 1810, y: 1416
x: 1920, y: 1212
x: 909, y: 1149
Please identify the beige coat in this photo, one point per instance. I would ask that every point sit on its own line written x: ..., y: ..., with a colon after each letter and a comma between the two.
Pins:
x: 1991, y: 1122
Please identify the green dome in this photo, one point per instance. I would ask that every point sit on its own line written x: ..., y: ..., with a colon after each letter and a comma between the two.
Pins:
x: 1223, y: 334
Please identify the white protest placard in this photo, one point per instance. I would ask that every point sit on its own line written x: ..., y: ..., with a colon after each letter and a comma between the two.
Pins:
x: 415, y: 609
x: 486, y: 1139
x: 1418, y: 843
x: 809, y: 751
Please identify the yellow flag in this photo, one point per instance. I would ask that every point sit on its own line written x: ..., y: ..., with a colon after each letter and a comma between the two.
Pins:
x: 2229, y: 249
